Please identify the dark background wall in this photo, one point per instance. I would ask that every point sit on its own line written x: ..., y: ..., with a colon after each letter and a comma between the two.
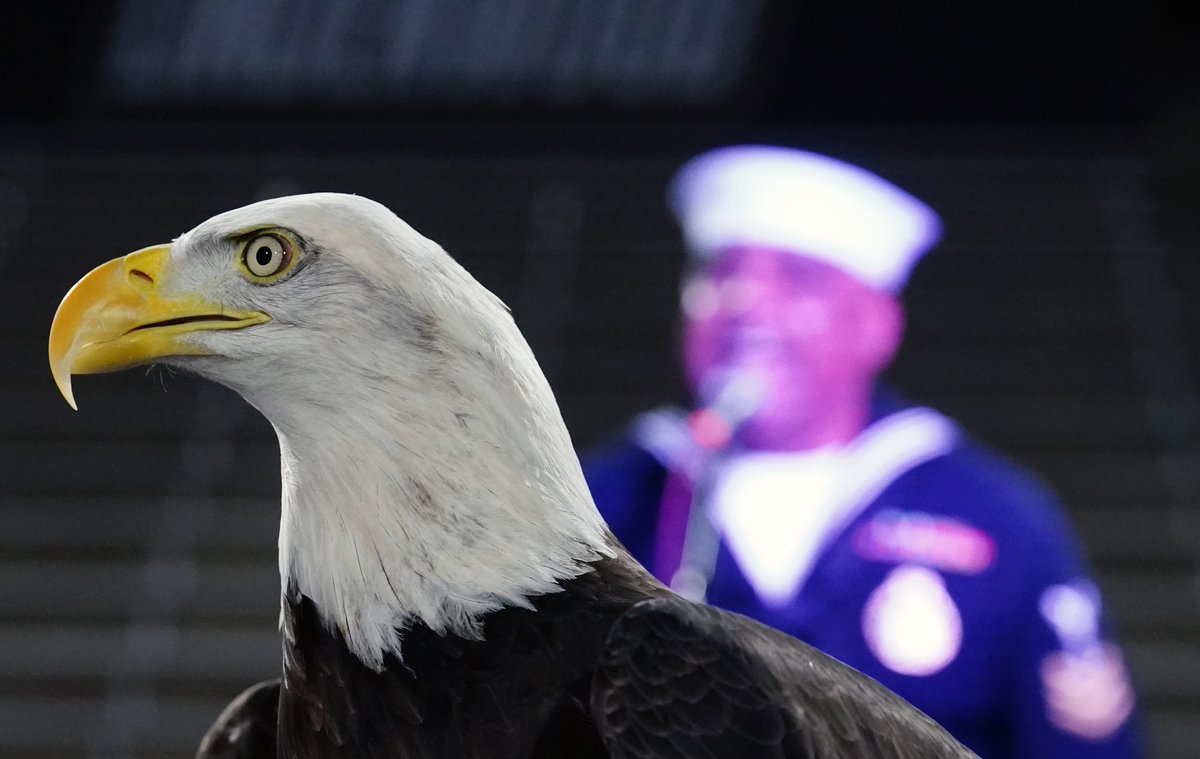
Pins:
x: 1058, y: 320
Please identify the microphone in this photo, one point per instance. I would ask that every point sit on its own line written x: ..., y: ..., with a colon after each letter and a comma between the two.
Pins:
x: 728, y: 399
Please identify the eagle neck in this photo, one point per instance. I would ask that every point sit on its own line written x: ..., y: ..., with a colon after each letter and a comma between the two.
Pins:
x: 423, y: 516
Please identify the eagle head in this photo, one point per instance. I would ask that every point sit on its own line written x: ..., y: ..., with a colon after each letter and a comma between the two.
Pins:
x: 427, y: 474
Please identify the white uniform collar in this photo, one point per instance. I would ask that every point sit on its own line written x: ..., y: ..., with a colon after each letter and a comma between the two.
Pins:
x: 777, y: 511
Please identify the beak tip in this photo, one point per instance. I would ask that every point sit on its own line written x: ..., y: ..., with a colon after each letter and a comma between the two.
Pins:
x: 62, y: 379
x: 68, y: 396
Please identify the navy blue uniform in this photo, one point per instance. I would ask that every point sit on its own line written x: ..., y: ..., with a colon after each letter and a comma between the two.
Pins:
x: 959, y: 585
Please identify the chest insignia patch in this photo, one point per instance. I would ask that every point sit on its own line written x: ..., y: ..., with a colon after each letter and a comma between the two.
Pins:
x: 946, y: 544
x: 911, y: 623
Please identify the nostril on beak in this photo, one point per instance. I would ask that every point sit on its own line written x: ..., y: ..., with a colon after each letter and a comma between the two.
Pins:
x: 142, y: 276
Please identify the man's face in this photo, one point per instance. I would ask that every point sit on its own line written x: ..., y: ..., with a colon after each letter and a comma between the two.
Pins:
x: 813, y: 335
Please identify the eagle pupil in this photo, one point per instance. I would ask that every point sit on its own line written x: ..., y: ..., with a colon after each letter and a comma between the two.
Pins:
x: 263, y: 255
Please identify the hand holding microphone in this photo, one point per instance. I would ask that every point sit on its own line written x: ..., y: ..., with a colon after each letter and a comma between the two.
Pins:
x: 729, y: 399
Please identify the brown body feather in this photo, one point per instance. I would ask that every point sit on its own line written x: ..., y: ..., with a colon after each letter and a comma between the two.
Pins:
x: 612, y: 666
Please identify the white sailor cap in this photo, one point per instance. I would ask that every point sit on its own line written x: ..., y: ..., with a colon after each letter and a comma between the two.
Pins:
x: 808, y: 204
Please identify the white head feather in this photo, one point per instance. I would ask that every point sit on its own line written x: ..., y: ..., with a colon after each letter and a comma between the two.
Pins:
x: 427, y: 473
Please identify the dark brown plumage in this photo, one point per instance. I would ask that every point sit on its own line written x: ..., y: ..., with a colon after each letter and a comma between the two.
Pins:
x: 614, y: 665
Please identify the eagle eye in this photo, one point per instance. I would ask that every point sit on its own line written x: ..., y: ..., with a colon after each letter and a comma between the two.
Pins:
x: 266, y: 258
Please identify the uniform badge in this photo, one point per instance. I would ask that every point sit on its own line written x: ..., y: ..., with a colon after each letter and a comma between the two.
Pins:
x: 911, y: 623
x: 1073, y: 612
x: 1087, y: 695
x: 948, y: 544
x: 1085, y: 684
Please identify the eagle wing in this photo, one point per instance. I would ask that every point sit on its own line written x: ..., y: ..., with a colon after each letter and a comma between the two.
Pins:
x: 246, y: 729
x: 680, y: 679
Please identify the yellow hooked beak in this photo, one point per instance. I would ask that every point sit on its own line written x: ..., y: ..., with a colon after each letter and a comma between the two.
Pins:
x: 116, y: 317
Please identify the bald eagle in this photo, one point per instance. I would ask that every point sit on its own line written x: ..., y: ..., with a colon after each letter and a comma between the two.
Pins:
x: 448, y: 587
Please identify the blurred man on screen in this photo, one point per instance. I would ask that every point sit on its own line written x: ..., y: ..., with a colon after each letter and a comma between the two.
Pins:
x: 800, y: 492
